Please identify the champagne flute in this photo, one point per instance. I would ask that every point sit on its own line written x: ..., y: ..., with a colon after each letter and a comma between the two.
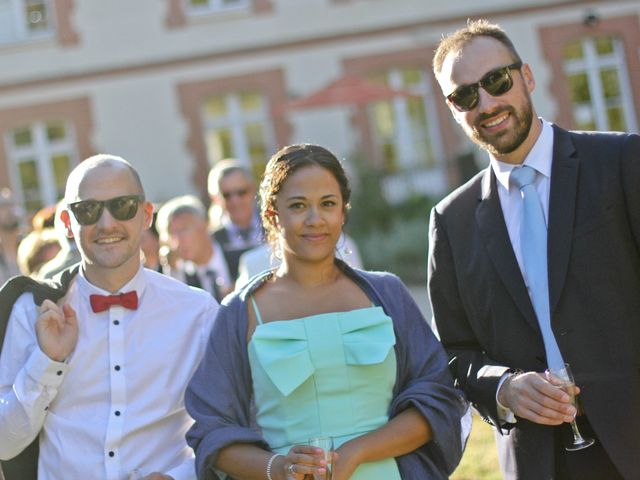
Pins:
x: 563, y: 379
x: 326, y: 444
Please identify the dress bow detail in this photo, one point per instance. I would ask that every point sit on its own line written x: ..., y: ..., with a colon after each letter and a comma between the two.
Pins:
x: 289, y: 353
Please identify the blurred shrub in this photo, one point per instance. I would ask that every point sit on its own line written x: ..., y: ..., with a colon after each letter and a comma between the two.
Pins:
x: 390, y: 237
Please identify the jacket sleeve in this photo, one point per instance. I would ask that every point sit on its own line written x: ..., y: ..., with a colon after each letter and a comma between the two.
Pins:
x: 474, y: 372
x: 29, y: 381
x: 218, y: 396
x: 424, y: 382
x: 630, y: 175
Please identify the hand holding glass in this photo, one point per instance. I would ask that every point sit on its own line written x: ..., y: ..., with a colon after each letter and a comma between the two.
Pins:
x: 563, y: 379
x: 326, y: 444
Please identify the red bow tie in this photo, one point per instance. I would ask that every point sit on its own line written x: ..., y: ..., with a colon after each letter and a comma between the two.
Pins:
x: 100, y: 303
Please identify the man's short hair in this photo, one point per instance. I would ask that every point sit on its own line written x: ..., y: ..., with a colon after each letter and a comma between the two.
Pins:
x: 456, y: 41
x: 97, y: 161
x: 185, y: 204
x: 221, y: 170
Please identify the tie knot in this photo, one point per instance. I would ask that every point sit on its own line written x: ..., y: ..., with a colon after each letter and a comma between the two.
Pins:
x: 523, y: 176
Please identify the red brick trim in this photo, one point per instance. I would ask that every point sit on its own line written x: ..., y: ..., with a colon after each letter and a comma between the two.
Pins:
x: 192, y: 95
x: 177, y: 17
x: 552, y: 38
x: 66, y: 34
x: 76, y: 111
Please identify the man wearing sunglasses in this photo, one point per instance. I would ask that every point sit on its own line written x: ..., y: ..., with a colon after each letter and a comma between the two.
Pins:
x: 233, y: 195
x: 95, y: 362
x: 535, y: 262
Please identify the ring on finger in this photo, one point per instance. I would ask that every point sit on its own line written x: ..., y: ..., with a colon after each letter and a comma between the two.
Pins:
x: 291, y: 469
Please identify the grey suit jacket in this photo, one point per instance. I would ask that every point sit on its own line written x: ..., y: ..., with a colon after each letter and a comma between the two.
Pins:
x: 485, y: 317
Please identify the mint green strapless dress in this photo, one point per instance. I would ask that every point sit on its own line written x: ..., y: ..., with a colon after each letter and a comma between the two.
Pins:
x: 330, y: 374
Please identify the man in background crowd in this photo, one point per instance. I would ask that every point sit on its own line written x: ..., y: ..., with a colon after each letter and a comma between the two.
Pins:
x: 9, y: 235
x: 235, y: 217
x: 183, y: 227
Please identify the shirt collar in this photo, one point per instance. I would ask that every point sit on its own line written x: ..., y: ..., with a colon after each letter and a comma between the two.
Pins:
x: 229, y: 225
x: 137, y: 283
x: 539, y: 158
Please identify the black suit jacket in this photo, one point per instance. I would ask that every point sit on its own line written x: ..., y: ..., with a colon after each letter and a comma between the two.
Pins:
x: 485, y: 317
x: 25, y: 465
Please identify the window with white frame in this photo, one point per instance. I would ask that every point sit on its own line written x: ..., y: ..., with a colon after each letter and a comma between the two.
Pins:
x: 24, y: 20
x: 238, y: 126
x: 203, y: 7
x: 599, y: 84
x: 402, y: 129
x: 41, y: 155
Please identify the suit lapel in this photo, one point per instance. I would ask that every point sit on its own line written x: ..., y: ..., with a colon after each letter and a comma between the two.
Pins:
x: 562, y: 202
x: 496, y: 239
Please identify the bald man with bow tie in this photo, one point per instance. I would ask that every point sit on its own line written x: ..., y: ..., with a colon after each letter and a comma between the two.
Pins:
x: 94, y: 364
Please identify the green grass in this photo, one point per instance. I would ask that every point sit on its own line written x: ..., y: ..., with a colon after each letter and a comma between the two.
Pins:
x: 480, y: 459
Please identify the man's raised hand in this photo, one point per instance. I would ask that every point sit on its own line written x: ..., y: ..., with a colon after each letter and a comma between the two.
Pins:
x: 57, y: 330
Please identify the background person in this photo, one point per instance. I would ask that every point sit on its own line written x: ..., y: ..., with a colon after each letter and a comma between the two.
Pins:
x: 512, y: 291
x: 324, y: 350
x: 182, y: 223
x: 36, y: 249
x: 237, y: 226
x: 68, y: 255
x: 9, y: 235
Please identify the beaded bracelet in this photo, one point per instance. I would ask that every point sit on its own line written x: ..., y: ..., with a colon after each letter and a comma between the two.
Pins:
x: 270, y: 464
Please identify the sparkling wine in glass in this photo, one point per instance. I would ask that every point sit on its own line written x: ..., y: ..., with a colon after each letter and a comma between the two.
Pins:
x: 563, y: 379
x: 326, y: 444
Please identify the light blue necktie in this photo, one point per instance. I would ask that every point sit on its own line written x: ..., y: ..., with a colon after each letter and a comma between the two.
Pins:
x: 533, y: 238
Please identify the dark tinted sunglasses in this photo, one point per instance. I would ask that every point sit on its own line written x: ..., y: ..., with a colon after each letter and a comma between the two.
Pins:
x: 235, y: 193
x: 88, y: 212
x: 497, y: 82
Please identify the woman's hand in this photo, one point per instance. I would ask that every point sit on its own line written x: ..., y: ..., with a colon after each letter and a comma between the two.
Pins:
x: 302, y: 462
x: 345, y: 462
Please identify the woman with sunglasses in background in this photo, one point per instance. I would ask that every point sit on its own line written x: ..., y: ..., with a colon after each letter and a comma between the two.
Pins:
x: 321, y: 349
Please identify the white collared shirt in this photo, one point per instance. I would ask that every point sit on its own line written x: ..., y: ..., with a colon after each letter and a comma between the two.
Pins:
x: 539, y: 158
x: 116, y: 405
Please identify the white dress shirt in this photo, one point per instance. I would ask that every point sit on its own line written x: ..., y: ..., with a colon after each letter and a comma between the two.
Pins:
x: 540, y: 159
x: 116, y: 405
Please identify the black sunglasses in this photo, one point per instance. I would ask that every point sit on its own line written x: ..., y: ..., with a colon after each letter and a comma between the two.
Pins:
x: 88, y: 212
x: 497, y: 82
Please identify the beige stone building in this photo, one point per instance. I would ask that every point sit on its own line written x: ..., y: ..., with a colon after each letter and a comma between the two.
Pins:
x: 176, y: 85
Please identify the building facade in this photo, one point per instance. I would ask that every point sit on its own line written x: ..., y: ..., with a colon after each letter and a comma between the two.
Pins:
x: 176, y: 85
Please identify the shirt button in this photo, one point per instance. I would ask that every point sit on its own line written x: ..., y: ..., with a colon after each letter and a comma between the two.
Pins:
x: 112, y: 454
x: 59, y: 372
x: 117, y: 368
x: 116, y: 322
x: 117, y: 412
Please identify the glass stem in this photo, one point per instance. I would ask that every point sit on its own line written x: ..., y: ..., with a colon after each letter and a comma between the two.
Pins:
x: 576, y: 433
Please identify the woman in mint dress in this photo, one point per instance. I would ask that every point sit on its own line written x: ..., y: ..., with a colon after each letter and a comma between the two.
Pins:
x: 316, y: 348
